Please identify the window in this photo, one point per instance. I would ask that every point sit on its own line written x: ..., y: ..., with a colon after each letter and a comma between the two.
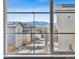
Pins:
x: 34, y: 28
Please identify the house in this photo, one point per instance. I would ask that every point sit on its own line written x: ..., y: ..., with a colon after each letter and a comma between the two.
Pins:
x: 18, y: 34
x: 10, y: 37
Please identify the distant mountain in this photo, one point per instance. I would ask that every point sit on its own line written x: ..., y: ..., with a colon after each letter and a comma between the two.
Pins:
x: 38, y: 23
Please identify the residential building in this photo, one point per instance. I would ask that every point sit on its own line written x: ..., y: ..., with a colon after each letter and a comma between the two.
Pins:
x: 17, y: 35
x: 10, y: 37
x: 66, y: 24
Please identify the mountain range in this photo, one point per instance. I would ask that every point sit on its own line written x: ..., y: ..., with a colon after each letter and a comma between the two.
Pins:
x: 38, y: 23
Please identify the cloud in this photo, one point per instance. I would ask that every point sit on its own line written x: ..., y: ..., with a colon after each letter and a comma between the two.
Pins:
x: 28, y: 17
x: 20, y: 17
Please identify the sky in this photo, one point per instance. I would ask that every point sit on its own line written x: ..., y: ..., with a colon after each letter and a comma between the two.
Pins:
x: 32, y: 6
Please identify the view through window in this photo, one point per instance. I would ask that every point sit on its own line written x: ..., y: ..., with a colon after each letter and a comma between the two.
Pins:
x: 31, y: 29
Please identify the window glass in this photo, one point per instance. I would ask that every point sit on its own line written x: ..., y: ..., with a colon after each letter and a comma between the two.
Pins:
x: 30, y: 31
